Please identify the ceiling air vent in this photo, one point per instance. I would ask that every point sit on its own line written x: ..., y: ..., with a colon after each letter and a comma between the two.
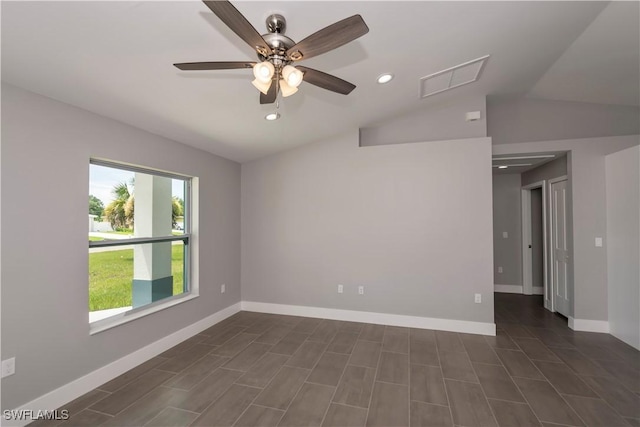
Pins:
x: 452, y: 77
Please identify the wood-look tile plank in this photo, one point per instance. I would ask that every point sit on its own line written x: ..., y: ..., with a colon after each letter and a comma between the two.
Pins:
x: 396, y: 340
x: 247, y: 357
x: 501, y: 340
x: 393, y: 368
x: 283, y: 388
x: 343, y: 342
x: 516, y: 330
x: 186, y: 359
x: 511, y: 414
x: 563, y: 379
x: 307, y: 355
x: 307, y: 325
x: 627, y: 373
x: 308, y: 407
x: 228, y: 408
x: 355, y: 386
x: 84, y: 401
x: 263, y: 370
x: 578, y: 362
x: 116, y: 402
x: 365, y: 353
x: 535, y: 350
x: 496, y: 383
x: 389, y: 406
x: 518, y: 364
x: 274, y: 334
x: 449, y: 342
x: 468, y: 404
x: 329, y: 369
x: 196, y: 372
x: 427, y: 385
x: 290, y: 343
x: 146, y: 408
x: 619, y: 397
x: 355, y: 327
x: 344, y: 416
x: 85, y: 417
x: 260, y: 416
x: 325, y: 331
x: 457, y: 366
x: 595, y: 412
x: 372, y: 333
x: 224, y: 335
x: 427, y: 415
x: 132, y: 374
x: 235, y: 345
x: 546, y: 403
x: 478, y: 349
x: 423, y: 349
x: 208, y: 390
x: 172, y: 417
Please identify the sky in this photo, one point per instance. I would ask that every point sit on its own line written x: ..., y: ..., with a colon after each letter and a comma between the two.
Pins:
x: 102, y: 179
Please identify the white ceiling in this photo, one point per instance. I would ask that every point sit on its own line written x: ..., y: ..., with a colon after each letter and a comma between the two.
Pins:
x: 115, y: 59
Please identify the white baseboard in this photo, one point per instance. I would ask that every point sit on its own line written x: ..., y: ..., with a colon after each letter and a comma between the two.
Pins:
x: 85, y: 384
x: 464, y: 326
x: 516, y: 289
x: 508, y: 289
x: 586, y: 325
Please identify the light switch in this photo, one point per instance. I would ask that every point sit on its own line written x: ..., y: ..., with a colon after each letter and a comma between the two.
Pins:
x: 505, y: 235
x: 598, y: 242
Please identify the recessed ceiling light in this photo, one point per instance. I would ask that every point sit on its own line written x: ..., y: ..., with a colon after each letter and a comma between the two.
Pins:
x: 272, y: 116
x: 502, y: 167
x: 540, y: 156
x: 385, y: 78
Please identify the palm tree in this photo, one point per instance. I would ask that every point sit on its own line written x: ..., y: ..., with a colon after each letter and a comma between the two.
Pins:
x: 119, y: 212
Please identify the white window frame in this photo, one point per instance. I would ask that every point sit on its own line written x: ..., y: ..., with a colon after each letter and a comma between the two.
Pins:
x: 189, y: 239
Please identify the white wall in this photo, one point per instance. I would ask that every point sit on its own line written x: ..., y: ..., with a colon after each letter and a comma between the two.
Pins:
x: 411, y: 222
x: 623, y: 235
x: 586, y: 166
x: 439, y: 122
x: 46, y: 146
x: 507, y: 253
x: 522, y: 119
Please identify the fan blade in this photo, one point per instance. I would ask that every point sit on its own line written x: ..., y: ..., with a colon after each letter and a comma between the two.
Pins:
x: 271, y: 95
x: 326, y: 81
x: 238, y: 24
x: 191, y: 66
x: 329, y: 38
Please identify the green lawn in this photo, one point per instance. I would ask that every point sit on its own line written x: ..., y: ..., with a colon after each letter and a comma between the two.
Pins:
x: 111, y: 274
x: 95, y: 239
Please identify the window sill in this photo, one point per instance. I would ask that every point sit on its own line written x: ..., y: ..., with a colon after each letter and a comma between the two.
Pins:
x: 120, y: 319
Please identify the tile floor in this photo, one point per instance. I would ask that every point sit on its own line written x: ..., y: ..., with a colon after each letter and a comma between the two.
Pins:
x: 266, y: 370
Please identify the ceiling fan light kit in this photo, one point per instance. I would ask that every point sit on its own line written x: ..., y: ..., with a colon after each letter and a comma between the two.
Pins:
x: 274, y: 73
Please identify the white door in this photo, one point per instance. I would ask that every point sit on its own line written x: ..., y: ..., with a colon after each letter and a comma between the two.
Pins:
x: 560, y: 248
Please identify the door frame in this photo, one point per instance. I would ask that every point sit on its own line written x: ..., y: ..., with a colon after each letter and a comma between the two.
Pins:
x: 551, y: 282
x: 527, y: 262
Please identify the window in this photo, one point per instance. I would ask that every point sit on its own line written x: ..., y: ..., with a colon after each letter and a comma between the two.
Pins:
x: 139, y: 241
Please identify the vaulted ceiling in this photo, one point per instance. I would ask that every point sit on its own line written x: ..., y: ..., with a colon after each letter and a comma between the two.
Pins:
x: 115, y: 59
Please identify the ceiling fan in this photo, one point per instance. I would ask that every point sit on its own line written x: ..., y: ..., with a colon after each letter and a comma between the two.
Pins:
x: 276, y: 52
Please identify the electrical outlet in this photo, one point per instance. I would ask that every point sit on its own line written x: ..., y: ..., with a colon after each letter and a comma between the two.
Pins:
x: 598, y: 242
x: 478, y: 299
x: 8, y: 367
x: 223, y: 288
x: 499, y: 269
x: 505, y: 235
x: 340, y: 289
x: 360, y: 290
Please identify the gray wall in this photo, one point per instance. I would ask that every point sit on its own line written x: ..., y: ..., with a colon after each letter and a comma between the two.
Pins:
x: 507, y: 253
x: 405, y: 221
x: 552, y: 169
x: 623, y: 235
x: 46, y: 146
x: 512, y: 120
x: 435, y: 123
x: 586, y: 167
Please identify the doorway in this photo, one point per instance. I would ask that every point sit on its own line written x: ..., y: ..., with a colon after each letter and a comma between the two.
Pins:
x: 534, y: 242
